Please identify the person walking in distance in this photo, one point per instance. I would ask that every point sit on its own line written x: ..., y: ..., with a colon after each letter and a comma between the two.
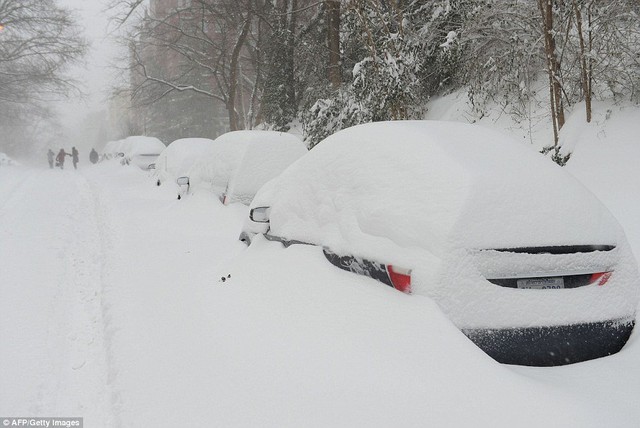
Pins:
x: 50, y: 156
x: 60, y: 158
x: 74, y: 156
x: 93, y: 156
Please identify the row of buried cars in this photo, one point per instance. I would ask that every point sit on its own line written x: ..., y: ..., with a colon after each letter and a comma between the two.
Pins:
x: 523, y: 259
x: 6, y: 160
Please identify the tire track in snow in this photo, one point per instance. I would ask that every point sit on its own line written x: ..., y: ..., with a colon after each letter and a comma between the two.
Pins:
x: 106, y: 235
x: 80, y: 295
x: 52, y: 326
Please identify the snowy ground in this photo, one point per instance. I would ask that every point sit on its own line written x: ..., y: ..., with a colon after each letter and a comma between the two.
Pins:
x: 112, y: 308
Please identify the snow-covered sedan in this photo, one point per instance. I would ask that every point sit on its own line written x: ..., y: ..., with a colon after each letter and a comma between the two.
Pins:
x: 518, y: 254
x: 241, y: 162
x: 176, y: 160
x: 178, y: 157
x: 5, y: 160
x: 140, y: 150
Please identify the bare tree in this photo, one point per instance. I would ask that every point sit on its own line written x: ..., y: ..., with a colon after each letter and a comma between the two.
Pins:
x: 199, y: 48
x: 553, y: 66
x: 585, y: 70
x: 38, y: 43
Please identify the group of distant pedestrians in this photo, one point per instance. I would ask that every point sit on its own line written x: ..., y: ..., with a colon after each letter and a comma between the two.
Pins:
x: 61, y: 156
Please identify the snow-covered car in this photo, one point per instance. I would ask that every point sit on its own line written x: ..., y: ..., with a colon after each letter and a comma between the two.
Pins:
x: 241, y: 162
x: 518, y: 254
x: 5, y: 160
x: 111, y: 149
x: 140, y: 150
x: 178, y: 157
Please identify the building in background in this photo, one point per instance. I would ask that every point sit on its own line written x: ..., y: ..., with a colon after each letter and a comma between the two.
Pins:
x: 163, y: 70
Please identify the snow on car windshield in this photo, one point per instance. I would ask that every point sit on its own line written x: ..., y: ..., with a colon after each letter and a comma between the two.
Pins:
x: 262, y: 161
x: 245, y: 160
x: 179, y: 156
x: 139, y: 145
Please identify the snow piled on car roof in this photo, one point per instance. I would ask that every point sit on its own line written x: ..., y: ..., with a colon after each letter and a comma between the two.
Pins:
x: 400, y: 190
x: 139, y: 144
x: 179, y: 156
x: 240, y: 162
x: 134, y: 145
x: 5, y: 160
x: 262, y: 161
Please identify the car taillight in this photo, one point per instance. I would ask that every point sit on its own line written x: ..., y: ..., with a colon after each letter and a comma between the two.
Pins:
x: 400, y: 278
x: 601, y: 278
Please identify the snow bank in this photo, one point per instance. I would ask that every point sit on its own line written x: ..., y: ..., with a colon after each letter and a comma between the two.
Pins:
x: 605, y: 158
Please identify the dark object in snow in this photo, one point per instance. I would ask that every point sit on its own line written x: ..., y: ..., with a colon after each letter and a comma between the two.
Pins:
x: 553, y: 346
x: 93, y: 156
x: 223, y: 279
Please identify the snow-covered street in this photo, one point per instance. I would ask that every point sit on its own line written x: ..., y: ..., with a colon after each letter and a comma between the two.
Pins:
x: 79, y: 250
x: 54, y: 259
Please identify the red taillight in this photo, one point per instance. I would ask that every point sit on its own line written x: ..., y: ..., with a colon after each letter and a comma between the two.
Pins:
x: 400, y: 278
x: 601, y: 278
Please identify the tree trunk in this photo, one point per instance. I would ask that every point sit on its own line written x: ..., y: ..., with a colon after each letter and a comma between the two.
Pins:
x: 292, y: 6
x: 586, y: 90
x: 333, y: 42
x: 553, y: 68
x: 234, y: 122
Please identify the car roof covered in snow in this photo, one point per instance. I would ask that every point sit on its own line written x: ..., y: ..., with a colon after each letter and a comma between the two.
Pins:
x: 112, y: 147
x: 179, y: 156
x: 240, y: 162
x: 382, y: 189
x: 6, y: 160
x: 138, y: 145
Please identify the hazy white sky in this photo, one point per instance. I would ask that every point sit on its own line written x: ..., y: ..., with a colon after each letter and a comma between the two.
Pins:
x: 96, y: 76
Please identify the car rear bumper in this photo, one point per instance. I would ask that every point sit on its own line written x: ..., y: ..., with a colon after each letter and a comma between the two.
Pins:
x: 553, y: 346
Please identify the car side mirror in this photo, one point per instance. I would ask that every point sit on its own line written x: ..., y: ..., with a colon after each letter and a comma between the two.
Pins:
x: 260, y: 214
x: 182, y: 181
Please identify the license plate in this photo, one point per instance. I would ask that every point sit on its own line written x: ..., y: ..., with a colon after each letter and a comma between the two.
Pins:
x: 550, y: 283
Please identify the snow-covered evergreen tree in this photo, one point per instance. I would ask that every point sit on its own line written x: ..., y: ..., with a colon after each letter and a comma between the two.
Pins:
x: 397, y: 54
